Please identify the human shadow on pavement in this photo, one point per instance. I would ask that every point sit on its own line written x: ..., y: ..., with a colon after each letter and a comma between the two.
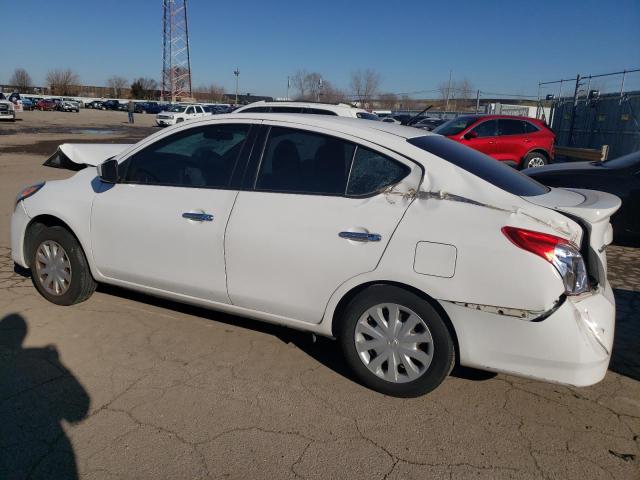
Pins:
x: 625, y: 358
x: 37, y: 392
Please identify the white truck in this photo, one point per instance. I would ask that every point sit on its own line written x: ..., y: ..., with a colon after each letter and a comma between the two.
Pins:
x: 180, y: 113
x: 7, y: 109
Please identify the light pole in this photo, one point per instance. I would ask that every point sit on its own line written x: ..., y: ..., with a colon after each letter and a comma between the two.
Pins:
x: 236, y: 72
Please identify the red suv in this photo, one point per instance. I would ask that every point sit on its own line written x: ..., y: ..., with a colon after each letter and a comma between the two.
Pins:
x: 46, y: 104
x: 519, y: 141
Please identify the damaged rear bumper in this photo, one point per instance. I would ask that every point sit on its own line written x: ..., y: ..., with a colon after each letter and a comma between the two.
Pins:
x: 572, y: 345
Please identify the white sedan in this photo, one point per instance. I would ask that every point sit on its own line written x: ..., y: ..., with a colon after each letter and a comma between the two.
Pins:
x: 412, y: 250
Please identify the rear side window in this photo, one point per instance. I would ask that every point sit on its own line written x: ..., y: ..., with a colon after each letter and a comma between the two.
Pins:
x: 286, y: 109
x: 371, y: 172
x: 511, y: 127
x: 530, y: 127
x: 298, y: 161
x: 256, y: 109
x: 319, y: 111
x: 480, y: 165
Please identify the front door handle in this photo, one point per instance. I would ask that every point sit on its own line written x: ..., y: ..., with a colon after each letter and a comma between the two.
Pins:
x: 361, y: 236
x: 198, y: 217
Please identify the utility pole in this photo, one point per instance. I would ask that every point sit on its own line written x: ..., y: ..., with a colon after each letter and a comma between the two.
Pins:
x: 477, y: 101
x: 236, y: 72
x: 288, y: 86
x: 446, y: 108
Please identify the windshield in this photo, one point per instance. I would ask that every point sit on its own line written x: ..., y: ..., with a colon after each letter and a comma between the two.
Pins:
x: 626, y: 161
x: 455, y: 126
x: 177, y: 109
x: 480, y: 165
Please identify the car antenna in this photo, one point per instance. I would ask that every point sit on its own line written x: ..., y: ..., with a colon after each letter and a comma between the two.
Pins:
x: 410, y: 121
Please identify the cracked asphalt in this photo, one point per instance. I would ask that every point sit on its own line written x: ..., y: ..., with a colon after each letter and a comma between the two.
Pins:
x: 125, y: 386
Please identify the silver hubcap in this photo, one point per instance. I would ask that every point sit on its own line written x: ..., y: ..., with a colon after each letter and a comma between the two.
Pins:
x: 394, y: 342
x: 53, y: 268
x: 536, y: 162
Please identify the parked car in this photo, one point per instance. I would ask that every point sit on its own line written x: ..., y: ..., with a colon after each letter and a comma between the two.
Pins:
x: 179, y: 113
x: 27, y: 104
x: 7, y: 109
x: 521, y: 142
x: 330, y: 225
x: 338, y: 109
x: 217, y: 108
x: 96, y: 104
x: 47, y: 104
x: 148, y: 107
x: 619, y: 176
x: 428, y: 123
x: 68, y: 106
x: 110, y: 105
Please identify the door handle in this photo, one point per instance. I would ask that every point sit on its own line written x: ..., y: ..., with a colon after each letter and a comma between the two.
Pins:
x: 361, y: 236
x: 198, y: 217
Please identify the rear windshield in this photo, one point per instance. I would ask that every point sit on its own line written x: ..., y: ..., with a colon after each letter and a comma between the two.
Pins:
x: 479, y: 164
x: 455, y: 126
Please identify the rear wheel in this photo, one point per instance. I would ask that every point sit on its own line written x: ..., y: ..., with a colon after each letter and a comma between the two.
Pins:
x: 395, y: 342
x: 59, y: 268
x: 534, y: 159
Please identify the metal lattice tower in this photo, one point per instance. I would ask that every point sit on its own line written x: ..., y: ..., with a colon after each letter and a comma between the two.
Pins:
x: 176, y: 63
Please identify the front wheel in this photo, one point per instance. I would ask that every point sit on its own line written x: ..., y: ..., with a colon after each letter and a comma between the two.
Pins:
x: 59, y: 268
x: 534, y: 159
x: 395, y: 342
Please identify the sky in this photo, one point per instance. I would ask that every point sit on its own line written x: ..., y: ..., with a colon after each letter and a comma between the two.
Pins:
x: 499, y: 46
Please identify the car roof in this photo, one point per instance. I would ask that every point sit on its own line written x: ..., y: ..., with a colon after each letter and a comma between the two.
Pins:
x: 329, y: 106
x: 351, y: 126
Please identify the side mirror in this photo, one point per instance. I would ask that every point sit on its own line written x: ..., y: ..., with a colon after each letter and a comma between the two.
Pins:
x: 470, y: 135
x: 108, y: 171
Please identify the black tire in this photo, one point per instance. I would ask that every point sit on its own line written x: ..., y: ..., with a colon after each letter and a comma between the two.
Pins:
x: 539, y: 158
x: 82, y: 284
x: 443, y: 349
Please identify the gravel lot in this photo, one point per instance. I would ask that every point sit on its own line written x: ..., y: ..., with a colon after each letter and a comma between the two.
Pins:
x: 128, y: 386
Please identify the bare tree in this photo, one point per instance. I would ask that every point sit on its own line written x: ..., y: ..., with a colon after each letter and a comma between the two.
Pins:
x: 387, y: 101
x: 63, y: 82
x: 146, y: 88
x: 309, y: 85
x: 117, y: 83
x: 365, y: 85
x: 20, y: 79
x: 212, y: 93
x: 464, y: 91
x: 331, y: 94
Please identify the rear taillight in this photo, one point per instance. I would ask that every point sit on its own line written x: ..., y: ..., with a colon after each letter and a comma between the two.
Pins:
x: 560, y: 253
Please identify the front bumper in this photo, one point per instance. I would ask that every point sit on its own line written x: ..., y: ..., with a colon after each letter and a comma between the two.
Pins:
x: 19, y: 222
x: 165, y: 122
x: 572, y: 346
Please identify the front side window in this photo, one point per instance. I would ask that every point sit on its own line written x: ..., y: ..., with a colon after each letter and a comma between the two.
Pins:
x: 511, y: 127
x: 189, y: 111
x: 487, y: 129
x: 298, y: 161
x: 372, y: 172
x: 198, y: 157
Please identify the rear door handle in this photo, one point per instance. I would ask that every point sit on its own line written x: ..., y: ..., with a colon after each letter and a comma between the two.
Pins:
x: 198, y: 217
x: 361, y: 236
